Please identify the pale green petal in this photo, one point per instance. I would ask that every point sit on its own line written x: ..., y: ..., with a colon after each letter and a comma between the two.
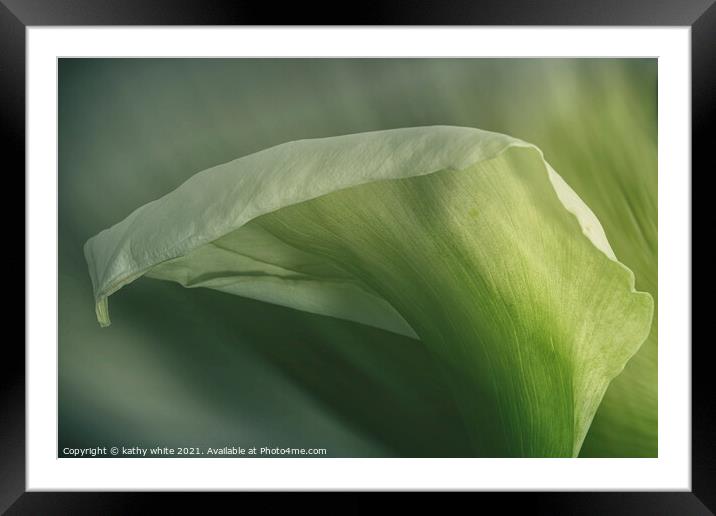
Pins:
x: 465, y: 239
x: 221, y: 199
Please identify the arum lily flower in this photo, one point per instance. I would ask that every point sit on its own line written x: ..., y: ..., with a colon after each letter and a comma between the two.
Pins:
x: 466, y: 240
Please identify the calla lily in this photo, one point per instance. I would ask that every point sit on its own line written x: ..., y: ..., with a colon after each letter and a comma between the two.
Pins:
x: 466, y: 240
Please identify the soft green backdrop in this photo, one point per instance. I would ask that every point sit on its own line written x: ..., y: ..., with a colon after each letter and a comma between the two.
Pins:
x: 194, y: 367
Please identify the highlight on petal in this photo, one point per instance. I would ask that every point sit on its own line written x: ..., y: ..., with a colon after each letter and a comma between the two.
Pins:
x: 464, y: 239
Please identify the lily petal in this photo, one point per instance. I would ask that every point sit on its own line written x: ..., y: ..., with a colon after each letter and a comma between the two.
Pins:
x: 465, y: 239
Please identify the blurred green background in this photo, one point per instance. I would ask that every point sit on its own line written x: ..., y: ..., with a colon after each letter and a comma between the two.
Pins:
x: 194, y: 367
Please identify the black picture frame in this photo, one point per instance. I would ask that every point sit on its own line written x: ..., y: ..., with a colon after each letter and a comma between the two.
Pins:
x: 16, y: 15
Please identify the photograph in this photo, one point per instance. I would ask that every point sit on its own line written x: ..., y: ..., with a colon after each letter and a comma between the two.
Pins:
x: 436, y: 248
x: 357, y: 257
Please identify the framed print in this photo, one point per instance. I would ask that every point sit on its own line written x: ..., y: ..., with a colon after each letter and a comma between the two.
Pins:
x: 404, y: 255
